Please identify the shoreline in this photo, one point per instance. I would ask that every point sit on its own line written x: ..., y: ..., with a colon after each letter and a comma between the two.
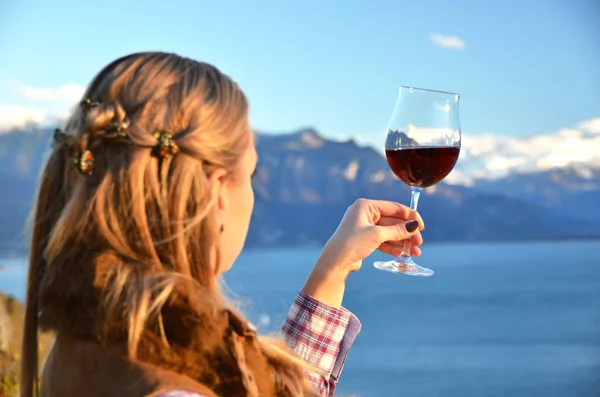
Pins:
x: 4, y: 255
x: 443, y: 242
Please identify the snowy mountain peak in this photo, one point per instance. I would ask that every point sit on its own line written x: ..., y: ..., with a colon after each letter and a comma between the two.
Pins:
x: 493, y: 156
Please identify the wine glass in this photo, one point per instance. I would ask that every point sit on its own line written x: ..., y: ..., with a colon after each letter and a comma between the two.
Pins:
x: 422, y: 147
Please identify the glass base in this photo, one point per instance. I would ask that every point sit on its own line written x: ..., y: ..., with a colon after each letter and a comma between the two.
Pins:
x: 404, y: 265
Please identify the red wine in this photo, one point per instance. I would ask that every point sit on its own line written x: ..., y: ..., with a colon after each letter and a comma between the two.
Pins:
x: 422, y: 166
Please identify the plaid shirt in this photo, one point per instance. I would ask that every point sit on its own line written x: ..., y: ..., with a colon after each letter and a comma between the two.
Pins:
x: 320, y: 335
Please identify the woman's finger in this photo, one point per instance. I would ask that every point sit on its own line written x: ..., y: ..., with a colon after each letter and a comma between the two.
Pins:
x: 390, y: 209
x: 414, y: 215
x: 415, y: 251
x: 385, y: 208
x: 397, y: 231
x: 390, y: 220
x: 390, y: 249
x: 396, y: 250
x: 416, y: 240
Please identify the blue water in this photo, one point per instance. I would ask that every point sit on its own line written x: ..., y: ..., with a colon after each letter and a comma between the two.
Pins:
x: 520, y: 320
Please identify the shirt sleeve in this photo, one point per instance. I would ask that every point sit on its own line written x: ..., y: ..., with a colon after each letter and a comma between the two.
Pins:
x: 321, y: 335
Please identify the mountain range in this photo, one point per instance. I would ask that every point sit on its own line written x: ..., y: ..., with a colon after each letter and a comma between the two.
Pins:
x: 305, y: 182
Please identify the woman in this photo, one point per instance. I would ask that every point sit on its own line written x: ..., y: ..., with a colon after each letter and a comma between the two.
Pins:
x: 144, y: 201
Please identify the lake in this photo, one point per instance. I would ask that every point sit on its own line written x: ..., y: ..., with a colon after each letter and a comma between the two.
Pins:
x: 518, y: 319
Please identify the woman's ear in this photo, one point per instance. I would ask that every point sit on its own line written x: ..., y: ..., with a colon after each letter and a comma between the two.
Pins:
x: 216, y: 181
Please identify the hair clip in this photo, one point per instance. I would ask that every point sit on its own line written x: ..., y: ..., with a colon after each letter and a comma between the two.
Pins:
x: 88, y: 104
x: 166, y: 145
x: 61, y: 139
x: 84, y: 162
x: 116, y: 131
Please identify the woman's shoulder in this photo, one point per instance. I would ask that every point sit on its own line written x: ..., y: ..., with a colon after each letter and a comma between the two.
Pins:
x: 180, y: 393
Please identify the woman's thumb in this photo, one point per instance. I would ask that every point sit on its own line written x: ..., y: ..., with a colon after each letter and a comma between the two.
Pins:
x: 398, y: 231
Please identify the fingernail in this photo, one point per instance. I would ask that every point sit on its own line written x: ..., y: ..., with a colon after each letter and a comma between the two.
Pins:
x: 411, y: 226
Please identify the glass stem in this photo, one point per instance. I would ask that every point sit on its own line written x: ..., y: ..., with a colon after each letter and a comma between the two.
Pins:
x: 415, y: 193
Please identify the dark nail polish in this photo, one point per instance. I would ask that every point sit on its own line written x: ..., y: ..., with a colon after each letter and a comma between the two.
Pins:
x: 412, y: 226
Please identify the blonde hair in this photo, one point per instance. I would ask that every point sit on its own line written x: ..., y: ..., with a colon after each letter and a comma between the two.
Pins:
x: 139, y: 232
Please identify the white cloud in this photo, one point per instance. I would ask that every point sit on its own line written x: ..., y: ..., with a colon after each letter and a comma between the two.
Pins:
x: 592, y: 125
x: 441, y: 40
x: 71, y: 93
x: 19, y: 116
x: 13, y: 116
x: 490, y: 156
x: 54, y: 105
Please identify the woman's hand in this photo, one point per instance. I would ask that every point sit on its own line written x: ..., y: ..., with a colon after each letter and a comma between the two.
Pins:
x: 368, y: 225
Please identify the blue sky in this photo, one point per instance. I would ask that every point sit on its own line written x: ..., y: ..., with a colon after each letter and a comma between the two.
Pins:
x: 526, y: 67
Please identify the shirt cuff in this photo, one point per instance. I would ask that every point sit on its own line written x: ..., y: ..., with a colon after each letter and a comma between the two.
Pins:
x: 320, y: 334
x: 352, y: 330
